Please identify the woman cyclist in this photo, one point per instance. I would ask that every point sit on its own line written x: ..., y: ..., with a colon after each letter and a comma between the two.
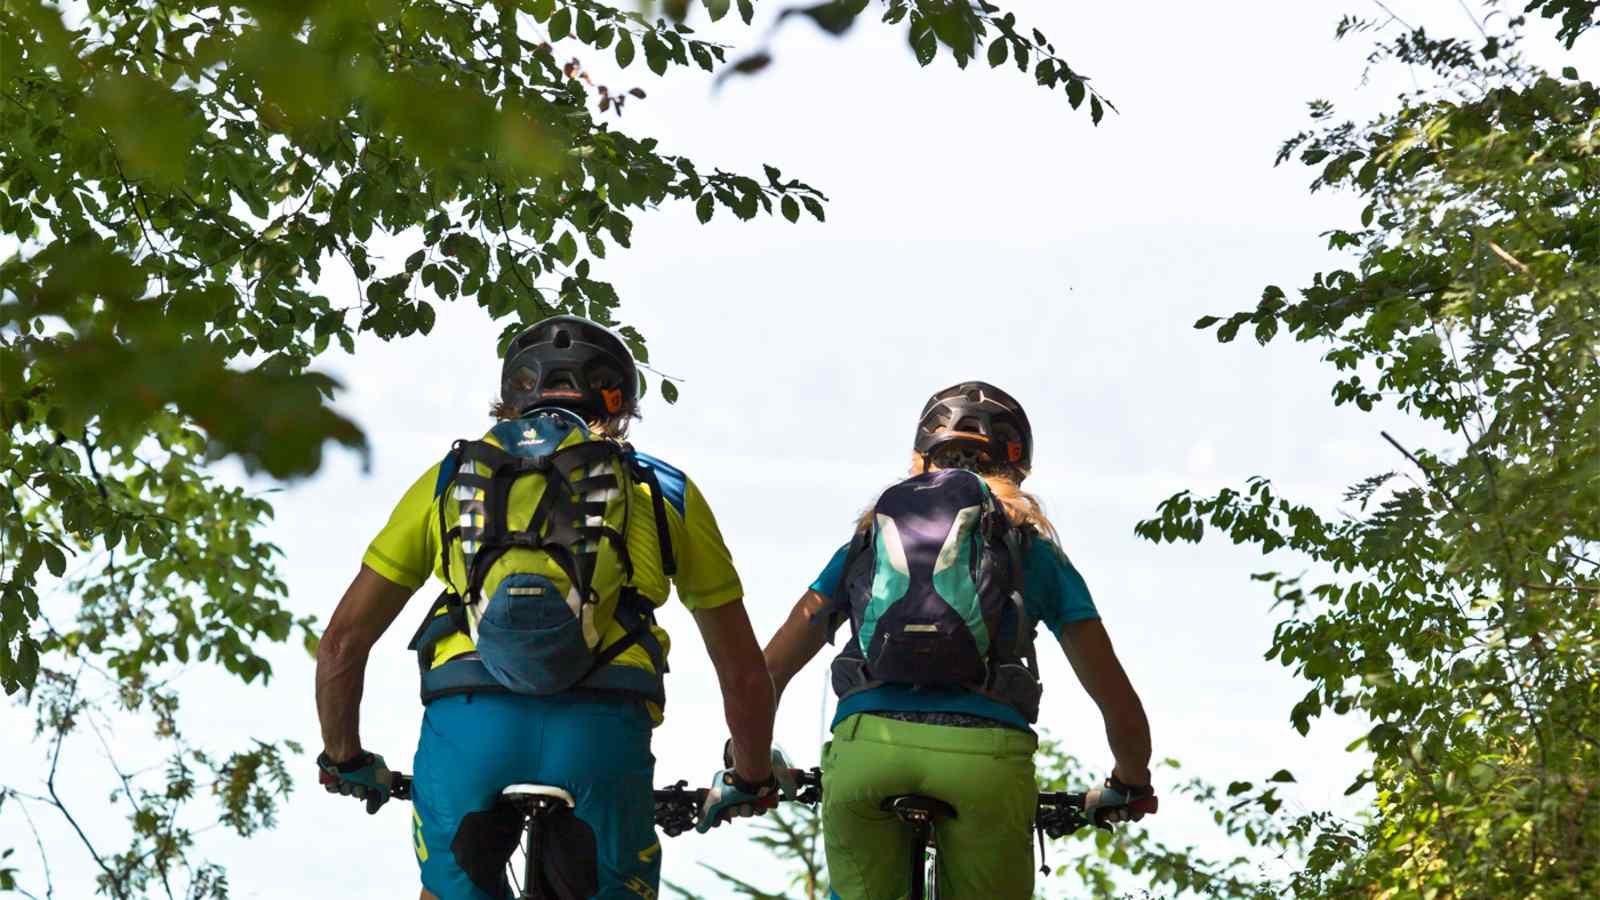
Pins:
x: 905, y: 728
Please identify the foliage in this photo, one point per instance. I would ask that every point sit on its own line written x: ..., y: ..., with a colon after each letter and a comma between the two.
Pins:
x: 243, y: 788
x: 792, y: 834
x: 962, y: 28
x: 1453, y: 607
x: 196, y: 203
x: 1577, y: 16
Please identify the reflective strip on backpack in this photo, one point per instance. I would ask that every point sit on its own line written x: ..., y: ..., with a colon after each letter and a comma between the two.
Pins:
x: 585, y: 611
x: 952, y: 574
x: 471, y: 521
x: 889, y: 583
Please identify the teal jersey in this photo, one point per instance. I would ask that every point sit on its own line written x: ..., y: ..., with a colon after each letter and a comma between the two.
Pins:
x: 1052, y: 592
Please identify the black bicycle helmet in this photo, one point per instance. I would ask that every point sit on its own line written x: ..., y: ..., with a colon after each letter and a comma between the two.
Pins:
x: 571, y: 363
x: 975, y: 424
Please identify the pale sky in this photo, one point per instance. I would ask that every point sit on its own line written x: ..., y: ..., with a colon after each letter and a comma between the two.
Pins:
x: 978, y: 228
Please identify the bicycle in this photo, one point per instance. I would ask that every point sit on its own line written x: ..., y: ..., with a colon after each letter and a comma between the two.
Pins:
x: 676, y: 810
x: 1058, y: 813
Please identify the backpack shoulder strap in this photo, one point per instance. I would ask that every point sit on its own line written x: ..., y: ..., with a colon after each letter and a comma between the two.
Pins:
x: 646, y: 473
x: 447, y: 470
x: 454, y: 470
x: 1018, y: 540
x: 837, y: 610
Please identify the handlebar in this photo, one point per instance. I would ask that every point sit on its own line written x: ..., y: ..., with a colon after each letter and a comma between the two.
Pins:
x: 677, y: 807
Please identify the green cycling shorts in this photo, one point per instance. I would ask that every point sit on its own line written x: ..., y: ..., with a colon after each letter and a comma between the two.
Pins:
x: 986, y: 851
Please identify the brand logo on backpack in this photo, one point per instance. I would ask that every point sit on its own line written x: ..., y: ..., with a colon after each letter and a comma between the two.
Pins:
x: 933, y: 593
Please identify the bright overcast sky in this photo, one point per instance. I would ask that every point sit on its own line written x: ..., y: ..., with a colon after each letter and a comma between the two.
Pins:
x: 978, y: 228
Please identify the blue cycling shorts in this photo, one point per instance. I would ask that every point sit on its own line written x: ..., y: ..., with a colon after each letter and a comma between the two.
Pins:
x: 596, y: 747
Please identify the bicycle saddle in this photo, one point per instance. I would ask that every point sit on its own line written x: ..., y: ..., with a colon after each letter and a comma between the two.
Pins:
x: 917, y: 808
x: 535, y: 799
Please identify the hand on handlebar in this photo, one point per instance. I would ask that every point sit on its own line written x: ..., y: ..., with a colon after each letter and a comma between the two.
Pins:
x: 1117, y: 802
x: 731, y: 797
x: 782, y: 769
x: 364, y: 776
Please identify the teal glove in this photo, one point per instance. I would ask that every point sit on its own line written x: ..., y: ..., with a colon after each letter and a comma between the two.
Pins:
x: 731, y: 796
x: 363, y: 775
x: 782, y: 769
x: 1118, y: 802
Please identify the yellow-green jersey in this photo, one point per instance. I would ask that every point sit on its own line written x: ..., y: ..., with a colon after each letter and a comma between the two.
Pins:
x: 407, y: 551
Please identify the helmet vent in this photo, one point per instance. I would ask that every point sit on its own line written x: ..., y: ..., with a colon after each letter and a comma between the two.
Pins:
x: 563, y: 339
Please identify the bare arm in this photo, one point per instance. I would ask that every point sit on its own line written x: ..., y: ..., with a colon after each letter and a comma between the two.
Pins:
x: 747, y: 698
x: 1088, y: 648
x: 797, y: 641
x: 364, y: 613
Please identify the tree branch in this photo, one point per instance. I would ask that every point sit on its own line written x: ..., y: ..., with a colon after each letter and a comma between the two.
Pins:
x: 112, y: 881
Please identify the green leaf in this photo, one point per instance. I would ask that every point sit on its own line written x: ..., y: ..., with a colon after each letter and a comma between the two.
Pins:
x: 747, y: 10
x: 541, y: 10
x: 560, y: 23
x: 814, y: 206
x: 702, y: 56
x: 54, y: 560
x: 748, y: 65
x: 27, y: 664
x: 997, y: 52
x: 1096, y: 111
x: 704, y: 208
x: 624, y: 48
x: 1206, y: 321
x: 1075, y: 92
x: 655, y: 53
x: 1282, y: 776
x: 924, y: 43
x: 717, y: 9
x: 835, y: 17
x: 791, y: 209
x: 669, y: 391
x: 566, y: 248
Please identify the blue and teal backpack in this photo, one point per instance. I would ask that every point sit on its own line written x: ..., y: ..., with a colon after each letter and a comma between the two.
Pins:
x: 933, y: 590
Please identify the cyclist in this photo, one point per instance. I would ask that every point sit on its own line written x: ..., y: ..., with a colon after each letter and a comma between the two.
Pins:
x: 924, y: 708
x: 482, y: 728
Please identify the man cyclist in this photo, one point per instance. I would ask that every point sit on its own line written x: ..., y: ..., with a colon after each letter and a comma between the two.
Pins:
x: 593, y: 739
x: 916, y: 732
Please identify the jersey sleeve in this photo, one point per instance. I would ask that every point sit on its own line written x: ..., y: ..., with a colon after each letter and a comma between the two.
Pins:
x: 827, y: 583
x: 706, y: 577
x: 404, y: 551
x: 1053, y: 591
